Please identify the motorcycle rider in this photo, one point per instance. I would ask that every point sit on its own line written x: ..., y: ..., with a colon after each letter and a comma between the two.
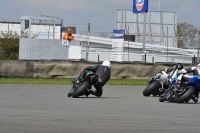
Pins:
x: 196, y: 72
x: 104, y: 73
x: 172, y: 72
x: 182, y: 77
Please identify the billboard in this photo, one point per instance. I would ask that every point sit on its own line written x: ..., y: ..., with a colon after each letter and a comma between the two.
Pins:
x: 140, y: 6
x: 117, y: 45
x: 118, y: 34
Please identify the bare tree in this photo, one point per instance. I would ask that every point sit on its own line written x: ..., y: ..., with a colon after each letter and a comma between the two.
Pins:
x: 187, y: 35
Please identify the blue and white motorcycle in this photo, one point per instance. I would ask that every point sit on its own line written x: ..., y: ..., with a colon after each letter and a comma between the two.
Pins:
x: 182, y: 89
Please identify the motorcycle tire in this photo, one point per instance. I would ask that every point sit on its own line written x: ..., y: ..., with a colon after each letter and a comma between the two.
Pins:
x: 81, y: 89
x: 151, y: 88
x: 184, y: 97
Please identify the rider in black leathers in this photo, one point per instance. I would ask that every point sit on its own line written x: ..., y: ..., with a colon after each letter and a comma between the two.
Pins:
x: 195, y: 70
x: 104, y: 73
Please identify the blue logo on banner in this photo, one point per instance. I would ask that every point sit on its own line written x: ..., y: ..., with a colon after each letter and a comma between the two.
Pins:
x: 140, y: 6
x: 118, y: 33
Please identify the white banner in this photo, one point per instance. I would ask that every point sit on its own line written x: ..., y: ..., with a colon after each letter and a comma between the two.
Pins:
x: 117, y: 56
x: 117, y: 43
x: 117, y: 50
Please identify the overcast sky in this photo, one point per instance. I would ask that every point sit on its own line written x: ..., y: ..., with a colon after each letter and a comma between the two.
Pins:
x: 100, y: 13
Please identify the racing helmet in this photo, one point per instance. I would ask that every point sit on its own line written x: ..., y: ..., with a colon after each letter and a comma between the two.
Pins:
x: 198, y: 65
x: 106, y: 63
x: 179, y: 66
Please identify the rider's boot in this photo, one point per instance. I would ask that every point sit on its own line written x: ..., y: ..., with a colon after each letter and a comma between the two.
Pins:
x: 164, y: 94
x: 195, y: 99
x: 88, y: 91
x: 90, y: 88
x: 94, y: 93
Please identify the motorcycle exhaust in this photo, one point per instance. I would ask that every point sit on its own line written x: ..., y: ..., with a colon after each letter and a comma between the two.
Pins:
x: 160, y: 89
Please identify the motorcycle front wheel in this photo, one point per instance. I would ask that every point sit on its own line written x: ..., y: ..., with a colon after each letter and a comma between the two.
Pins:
x: 78, y: 92
x: 151, y: 88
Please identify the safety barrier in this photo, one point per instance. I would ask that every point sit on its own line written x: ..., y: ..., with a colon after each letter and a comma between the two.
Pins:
x: 71, y: 69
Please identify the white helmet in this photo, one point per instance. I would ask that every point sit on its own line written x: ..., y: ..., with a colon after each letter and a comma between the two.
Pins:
x: 106, y: 63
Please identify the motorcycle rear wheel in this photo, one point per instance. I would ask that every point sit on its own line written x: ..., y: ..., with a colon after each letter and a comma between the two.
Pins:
x: 188, y: 94
x: 81, y: 89
x: 151, y: 88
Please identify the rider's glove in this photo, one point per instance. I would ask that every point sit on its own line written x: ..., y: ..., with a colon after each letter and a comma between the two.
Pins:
x: 170, y: 80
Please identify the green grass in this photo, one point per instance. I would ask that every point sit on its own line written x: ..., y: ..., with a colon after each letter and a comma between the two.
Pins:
x: 44, y: 81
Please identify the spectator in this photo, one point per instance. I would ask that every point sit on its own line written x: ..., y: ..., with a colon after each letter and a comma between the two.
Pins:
x: 68, y: 35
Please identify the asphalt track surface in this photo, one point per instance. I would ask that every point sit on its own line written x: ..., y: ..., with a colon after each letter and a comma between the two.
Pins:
x: 122, y: 109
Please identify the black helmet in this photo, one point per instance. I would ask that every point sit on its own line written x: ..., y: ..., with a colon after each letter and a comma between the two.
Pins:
x: 179, y: 66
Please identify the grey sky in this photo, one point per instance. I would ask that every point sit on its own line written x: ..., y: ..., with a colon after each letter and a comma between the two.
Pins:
x: 100, y: 13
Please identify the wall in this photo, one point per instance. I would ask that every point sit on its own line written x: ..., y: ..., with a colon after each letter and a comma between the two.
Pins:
x: 43, y: 49
x: 37, y: 49
x: 69, y: 69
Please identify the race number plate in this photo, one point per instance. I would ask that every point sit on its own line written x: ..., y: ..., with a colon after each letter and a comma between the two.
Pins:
x: 65, y: 42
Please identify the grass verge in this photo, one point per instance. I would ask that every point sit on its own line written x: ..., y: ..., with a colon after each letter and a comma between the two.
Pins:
x: 44, y: 81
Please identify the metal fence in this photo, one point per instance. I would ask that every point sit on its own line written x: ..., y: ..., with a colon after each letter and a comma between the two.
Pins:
x: 100, y: 48
x: 139, y: 57
x: 98, y: 45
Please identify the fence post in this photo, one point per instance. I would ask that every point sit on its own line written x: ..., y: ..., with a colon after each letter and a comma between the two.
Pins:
x: 98, y: 57
x: 194, y: 59
x: 145, y: 57
x: 87, y: 54
x: 152, y: 59
x: 198, y: 56
x: 61, y: 25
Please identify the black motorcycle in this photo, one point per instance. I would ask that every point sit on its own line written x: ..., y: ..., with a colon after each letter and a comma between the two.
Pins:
x: 84, y: 87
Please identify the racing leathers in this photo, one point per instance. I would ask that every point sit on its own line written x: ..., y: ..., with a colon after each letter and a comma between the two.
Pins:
x: 104, y: 75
